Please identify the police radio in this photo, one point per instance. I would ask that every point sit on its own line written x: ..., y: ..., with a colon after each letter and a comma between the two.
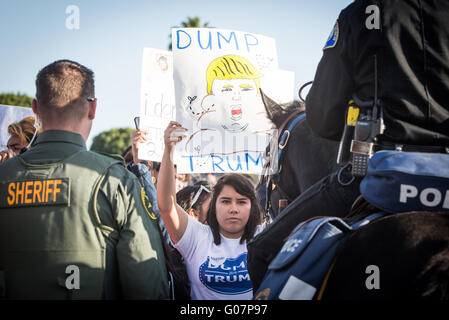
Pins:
x: 368, y: 126
x: 364, y: 122
x: 366, y: 130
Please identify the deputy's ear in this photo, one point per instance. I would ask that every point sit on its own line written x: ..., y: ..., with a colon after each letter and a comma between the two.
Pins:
x: 272, y: 108
x: 34, y: 106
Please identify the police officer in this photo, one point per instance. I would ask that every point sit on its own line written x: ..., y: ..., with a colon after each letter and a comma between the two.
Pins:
x: 72, y: 222
x: 400, y: 48
x: 409, y: 40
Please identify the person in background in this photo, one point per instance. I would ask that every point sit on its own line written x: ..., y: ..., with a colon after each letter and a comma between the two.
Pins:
x: 21, y: 133
x: 179, y: 282
x: 211, y: 178
x: 195, y: 201
x: 182, y: 180
x: 155, y: 171
x: 142, y: 170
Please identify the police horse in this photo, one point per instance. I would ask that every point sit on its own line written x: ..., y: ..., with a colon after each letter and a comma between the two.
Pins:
x: 396, y: 256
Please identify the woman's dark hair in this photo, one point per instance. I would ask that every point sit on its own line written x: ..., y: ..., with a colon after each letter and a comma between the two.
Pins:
x: 243, y: 186
x: 184, y: 197
x: 127, y: 154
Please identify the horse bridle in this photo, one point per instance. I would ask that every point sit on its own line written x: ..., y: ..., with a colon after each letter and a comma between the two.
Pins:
x: 273, y: 182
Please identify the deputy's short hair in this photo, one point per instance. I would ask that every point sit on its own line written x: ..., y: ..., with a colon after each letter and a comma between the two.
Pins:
x: 62, y: 85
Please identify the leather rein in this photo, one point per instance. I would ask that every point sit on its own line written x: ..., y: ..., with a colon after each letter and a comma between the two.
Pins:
x: 274, y: 180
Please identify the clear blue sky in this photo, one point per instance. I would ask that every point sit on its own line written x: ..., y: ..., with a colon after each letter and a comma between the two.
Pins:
x: 113, y: 34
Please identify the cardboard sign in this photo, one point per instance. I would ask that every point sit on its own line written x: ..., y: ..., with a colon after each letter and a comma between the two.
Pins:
x: 157, y: 103
x: 217, y: 77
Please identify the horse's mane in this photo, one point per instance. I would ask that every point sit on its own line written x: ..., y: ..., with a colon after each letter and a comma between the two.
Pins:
x: 291, y: 106
x: 285, y: 109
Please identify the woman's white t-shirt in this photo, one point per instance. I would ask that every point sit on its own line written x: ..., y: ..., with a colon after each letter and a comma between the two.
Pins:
x: 215, y: 272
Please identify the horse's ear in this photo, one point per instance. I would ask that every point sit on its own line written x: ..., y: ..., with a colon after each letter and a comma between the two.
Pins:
x: 271, y: 107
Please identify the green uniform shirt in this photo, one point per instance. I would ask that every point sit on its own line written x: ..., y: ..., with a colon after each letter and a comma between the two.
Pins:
x: 60, y: 206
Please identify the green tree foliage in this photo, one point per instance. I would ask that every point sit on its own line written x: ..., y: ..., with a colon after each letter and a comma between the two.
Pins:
x: 112, y: 141
x: 15, y: 99
x: 190, y: 23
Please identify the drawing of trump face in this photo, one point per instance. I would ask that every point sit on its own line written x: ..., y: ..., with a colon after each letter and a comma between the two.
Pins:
x: 233, y: 93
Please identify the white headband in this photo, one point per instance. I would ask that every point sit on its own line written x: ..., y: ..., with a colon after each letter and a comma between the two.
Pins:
x: 198, y: 193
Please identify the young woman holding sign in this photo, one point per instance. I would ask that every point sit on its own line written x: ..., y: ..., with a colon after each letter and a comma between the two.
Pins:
x: 215, y: 254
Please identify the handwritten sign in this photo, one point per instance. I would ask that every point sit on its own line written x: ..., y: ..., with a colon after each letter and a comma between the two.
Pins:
x: 157, y: 102
x: 217, y: 76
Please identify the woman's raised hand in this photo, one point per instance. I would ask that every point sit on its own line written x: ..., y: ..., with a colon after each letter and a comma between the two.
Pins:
x: 173, y: 134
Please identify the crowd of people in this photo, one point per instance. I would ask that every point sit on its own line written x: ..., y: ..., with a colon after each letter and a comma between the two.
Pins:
x: 141, y: 209
x: 139, y: 230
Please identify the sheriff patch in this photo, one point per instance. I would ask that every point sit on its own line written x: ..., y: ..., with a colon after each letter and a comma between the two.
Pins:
x: 147, y: 204
x: 333, y: 37
x: 31, y: 193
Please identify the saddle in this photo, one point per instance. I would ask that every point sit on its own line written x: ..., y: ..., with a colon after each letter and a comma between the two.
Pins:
x: 326, y: 195
x: 407, y: 181
x: 298, y: 271
x: 395, y: 182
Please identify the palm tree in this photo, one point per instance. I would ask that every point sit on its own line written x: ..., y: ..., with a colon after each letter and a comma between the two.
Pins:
x: 190, y: 23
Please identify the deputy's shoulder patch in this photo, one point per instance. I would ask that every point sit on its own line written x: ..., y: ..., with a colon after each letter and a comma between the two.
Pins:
x: 333, y: 37
x: 147, y: 204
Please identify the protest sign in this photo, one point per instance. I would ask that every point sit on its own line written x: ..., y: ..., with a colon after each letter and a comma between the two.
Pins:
x: 217, y: 76
x: 8, y: 115
x: 157, y: 106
